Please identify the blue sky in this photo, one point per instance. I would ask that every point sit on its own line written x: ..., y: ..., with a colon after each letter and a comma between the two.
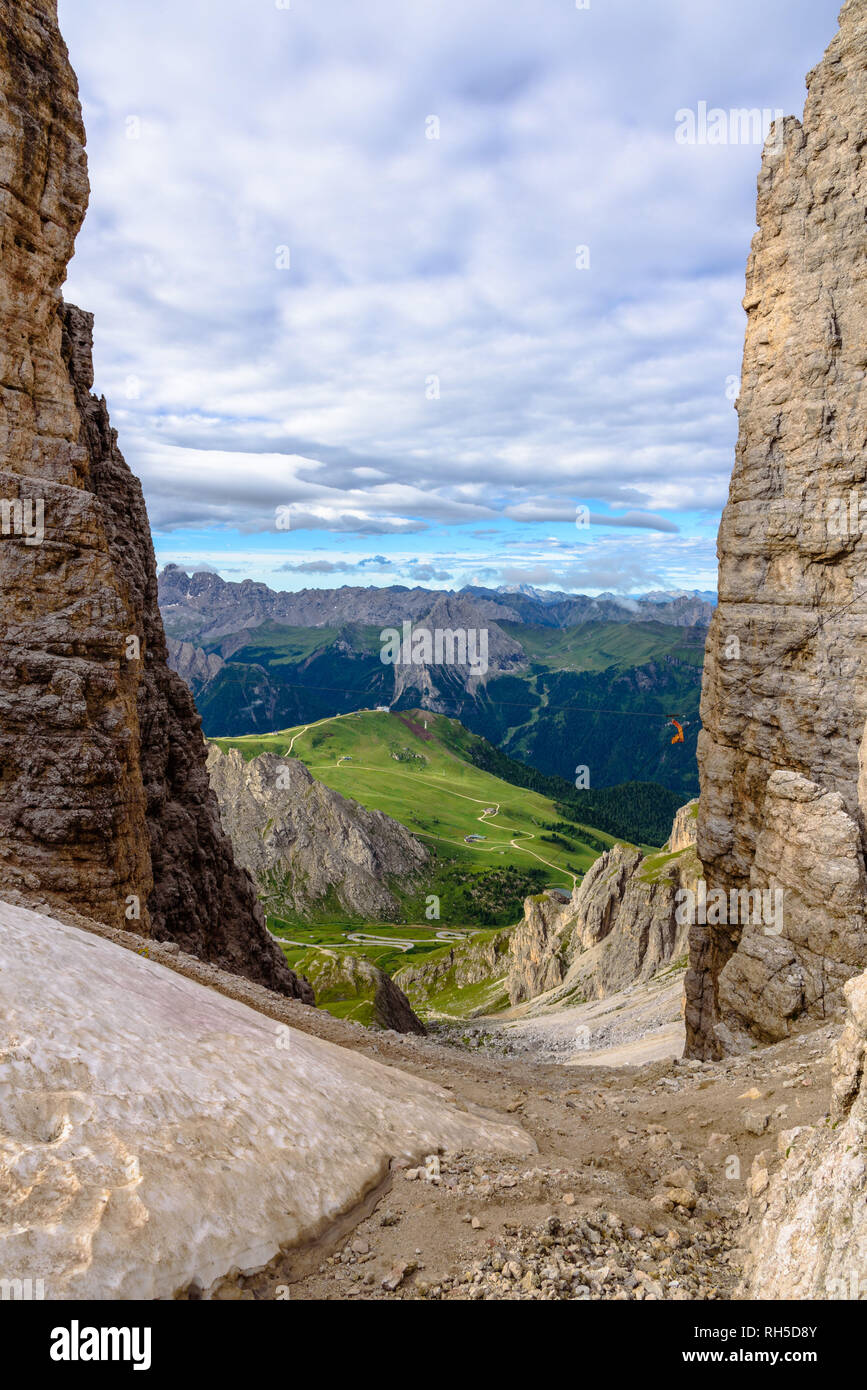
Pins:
x: 383, y: 293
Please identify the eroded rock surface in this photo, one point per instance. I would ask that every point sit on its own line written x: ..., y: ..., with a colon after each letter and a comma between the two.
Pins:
x: 809, y: 850
x: 538, y: 948
x: 784, y: 686
x: 445, y: 980
x: 303, y: 842
x: 810, y: 1213
x: 107, y: 809
x: 193, y: 664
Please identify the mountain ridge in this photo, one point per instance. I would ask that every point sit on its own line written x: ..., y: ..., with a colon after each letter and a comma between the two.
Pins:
x: 597, y: 693
x: 184, y: 599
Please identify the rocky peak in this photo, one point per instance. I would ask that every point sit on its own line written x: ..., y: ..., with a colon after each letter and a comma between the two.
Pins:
x: 621, y: 924
x: 194, y: 665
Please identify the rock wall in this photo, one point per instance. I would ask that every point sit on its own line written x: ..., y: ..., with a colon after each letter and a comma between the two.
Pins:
x: 809, y: 1200
x: 538, y: 948
x: 623, y: 923
x: 809, y: 849
x: 683, y: 829
x: 363, y: 992
x: 784, y: 686
x: 303, y: 842
x: 158, y: 1136
x: 104, y: 797
x: 193, y: 664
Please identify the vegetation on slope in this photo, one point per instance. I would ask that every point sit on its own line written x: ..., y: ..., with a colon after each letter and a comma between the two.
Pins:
x: 597, y: 694
x: 474, y: 821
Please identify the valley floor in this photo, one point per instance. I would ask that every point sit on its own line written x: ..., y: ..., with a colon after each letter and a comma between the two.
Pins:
x: 634, y: 1026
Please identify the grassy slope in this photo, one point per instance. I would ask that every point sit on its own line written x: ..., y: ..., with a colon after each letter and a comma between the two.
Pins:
x: 601, y: 646
x: 596, y: 646
x: 441, y: 798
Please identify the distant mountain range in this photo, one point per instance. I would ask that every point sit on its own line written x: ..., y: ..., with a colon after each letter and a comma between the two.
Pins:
x: 201, y: 607
x: 569, y: 681
x: 657, y: 596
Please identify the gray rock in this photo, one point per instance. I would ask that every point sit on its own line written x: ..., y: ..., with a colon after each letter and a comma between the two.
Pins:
x: 808, y: 1232
x: 783, y: 690
x: 301, y: 841
x: 756, y: 1121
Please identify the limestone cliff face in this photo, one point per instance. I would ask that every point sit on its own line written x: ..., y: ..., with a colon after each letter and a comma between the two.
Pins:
x: 624, y: 922
x: 344, y: 979
x: 193, y: 664
x: 538, y: 949
x: 104, y: 796
x: 303, y: 842
x: 784, y: 686
x: 683, y: 829
x: 809, y: 849
x: 808, y: 1237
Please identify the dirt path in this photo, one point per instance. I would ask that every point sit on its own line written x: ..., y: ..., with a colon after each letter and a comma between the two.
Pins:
x: 307, y: 727
x: 611, y: 1143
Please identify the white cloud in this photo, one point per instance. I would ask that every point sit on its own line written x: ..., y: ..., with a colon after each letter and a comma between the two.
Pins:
x: 432, y: 356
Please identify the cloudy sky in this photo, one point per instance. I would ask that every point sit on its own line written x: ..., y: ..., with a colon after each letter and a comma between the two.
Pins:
x: 400, y: 291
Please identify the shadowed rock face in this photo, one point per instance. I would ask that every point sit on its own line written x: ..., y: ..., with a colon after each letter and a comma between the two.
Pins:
x: 104, y: 797
x: 784, y: 687
x: 194, y: 665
